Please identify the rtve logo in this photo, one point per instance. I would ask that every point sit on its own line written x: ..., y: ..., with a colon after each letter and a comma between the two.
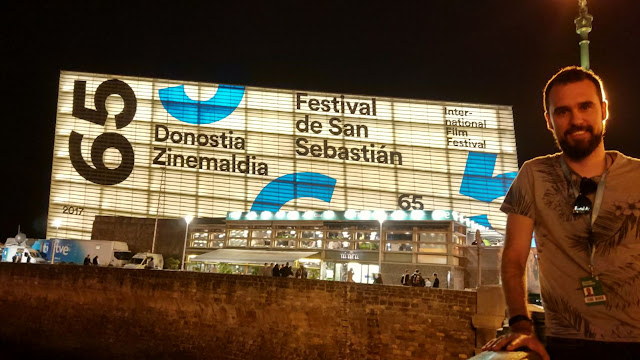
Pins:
x: 174, y: 100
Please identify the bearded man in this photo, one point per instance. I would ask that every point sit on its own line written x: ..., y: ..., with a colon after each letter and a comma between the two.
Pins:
x: 584, y: 206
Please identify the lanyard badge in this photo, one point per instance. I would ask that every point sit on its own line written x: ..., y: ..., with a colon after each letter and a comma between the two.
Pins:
x: 591, y: 286
x: 592, y: 290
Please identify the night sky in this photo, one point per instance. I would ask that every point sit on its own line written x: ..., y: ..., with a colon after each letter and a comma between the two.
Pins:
x: 492, y: 51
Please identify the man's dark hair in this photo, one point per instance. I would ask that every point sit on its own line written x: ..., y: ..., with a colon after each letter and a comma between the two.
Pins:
x: 571, y: 74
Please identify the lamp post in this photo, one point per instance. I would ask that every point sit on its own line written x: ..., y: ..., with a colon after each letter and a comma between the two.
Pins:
x: 478, y: 239
x: 187, y: 219
x: 56, y: 223
x: 381, y: 216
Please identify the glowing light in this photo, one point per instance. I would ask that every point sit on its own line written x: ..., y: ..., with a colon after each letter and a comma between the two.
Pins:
x: 439, y: 215
x: 417, y: 214
x: 350, y: 214
x: 397, y: 215
x: 364, y: 215
x: 329, y: 214
x: 380, y: 215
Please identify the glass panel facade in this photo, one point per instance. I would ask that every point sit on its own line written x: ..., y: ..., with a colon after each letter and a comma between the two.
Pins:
x: 432, y: 237
x: 432, y: 259
x: 237, y: 242
x: 245, y: 156
x: 399, y: 246
x: 437, y: 248
x: 238, y: 233
x: 403, y: 243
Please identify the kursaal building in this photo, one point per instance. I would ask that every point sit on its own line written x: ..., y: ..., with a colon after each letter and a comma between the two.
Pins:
x: 140, y: 147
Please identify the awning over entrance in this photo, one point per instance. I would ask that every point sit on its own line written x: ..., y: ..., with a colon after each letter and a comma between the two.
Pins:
x: 239, y: 256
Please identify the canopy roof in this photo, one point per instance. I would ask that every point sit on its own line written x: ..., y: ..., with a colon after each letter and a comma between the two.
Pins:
x: 240, y: 256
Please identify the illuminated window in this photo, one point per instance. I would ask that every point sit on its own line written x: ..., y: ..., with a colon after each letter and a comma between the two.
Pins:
x: 237, y: 242
x: 432, y: 237
x: 238, y: 233
x: 238, y: 237
x: 432, y: 259
x: 398, y: 246
x: 261, y: 238
x: 311, y: 239
x: 218, y: 237
x: 199, y: 243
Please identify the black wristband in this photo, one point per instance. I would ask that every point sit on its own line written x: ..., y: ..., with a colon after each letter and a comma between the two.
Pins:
x: 519, y: 318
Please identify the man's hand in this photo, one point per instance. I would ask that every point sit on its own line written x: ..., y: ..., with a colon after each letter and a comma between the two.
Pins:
x: 515, y: 341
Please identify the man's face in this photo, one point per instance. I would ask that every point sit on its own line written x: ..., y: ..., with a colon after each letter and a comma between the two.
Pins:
x: 576, y: 117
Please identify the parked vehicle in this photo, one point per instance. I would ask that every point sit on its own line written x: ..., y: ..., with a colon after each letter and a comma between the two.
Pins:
x: 142, y: 261
x: 22, y: 254
x: 110, y: 253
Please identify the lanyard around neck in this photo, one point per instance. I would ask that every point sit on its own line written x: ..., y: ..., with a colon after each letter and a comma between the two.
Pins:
x: 596, y: 203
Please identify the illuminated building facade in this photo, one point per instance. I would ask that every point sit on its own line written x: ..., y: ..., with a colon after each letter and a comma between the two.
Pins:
x: 141, y: 147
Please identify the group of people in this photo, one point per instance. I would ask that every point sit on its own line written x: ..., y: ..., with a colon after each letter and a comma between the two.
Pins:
x: 88, y: 261
x: 416, y: 279
x: 285, y: 270
x: 377, y: 279
x: 17, y: 257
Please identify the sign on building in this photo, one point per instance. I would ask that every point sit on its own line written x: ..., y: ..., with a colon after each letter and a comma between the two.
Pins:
x: 130, y: 146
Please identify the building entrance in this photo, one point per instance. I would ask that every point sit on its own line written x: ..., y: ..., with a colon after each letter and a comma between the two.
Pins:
x: 362, y: 273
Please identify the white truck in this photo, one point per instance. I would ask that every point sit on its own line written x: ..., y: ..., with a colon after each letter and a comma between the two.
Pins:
x: 143, y: 261
x: 110, y: 253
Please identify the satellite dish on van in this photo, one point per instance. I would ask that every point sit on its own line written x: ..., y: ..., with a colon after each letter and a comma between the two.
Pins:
x: 19, y: 239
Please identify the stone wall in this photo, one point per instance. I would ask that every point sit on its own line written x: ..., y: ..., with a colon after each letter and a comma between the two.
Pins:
x: 103, y: 312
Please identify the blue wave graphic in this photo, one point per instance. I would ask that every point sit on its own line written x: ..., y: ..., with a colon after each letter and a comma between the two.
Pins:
x: 294, y: 186
x: 480, y: 184
x: 478, y: 181
x: 218, y: 107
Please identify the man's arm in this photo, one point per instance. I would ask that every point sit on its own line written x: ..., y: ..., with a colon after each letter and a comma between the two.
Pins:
x: 514, y: 264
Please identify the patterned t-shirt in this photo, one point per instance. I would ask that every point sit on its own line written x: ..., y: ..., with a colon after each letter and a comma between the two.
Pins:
x: 543, y: 193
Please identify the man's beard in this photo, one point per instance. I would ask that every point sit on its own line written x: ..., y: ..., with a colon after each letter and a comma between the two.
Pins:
x: 581, y: 149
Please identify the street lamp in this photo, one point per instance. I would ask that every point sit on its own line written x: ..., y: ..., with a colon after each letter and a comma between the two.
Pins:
x: 56, y: 223
x: 478, y: 239
x: 187, y: 219
x: 381, y: 216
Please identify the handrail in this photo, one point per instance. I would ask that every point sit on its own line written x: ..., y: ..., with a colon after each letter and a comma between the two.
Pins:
x: 507, y: 355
